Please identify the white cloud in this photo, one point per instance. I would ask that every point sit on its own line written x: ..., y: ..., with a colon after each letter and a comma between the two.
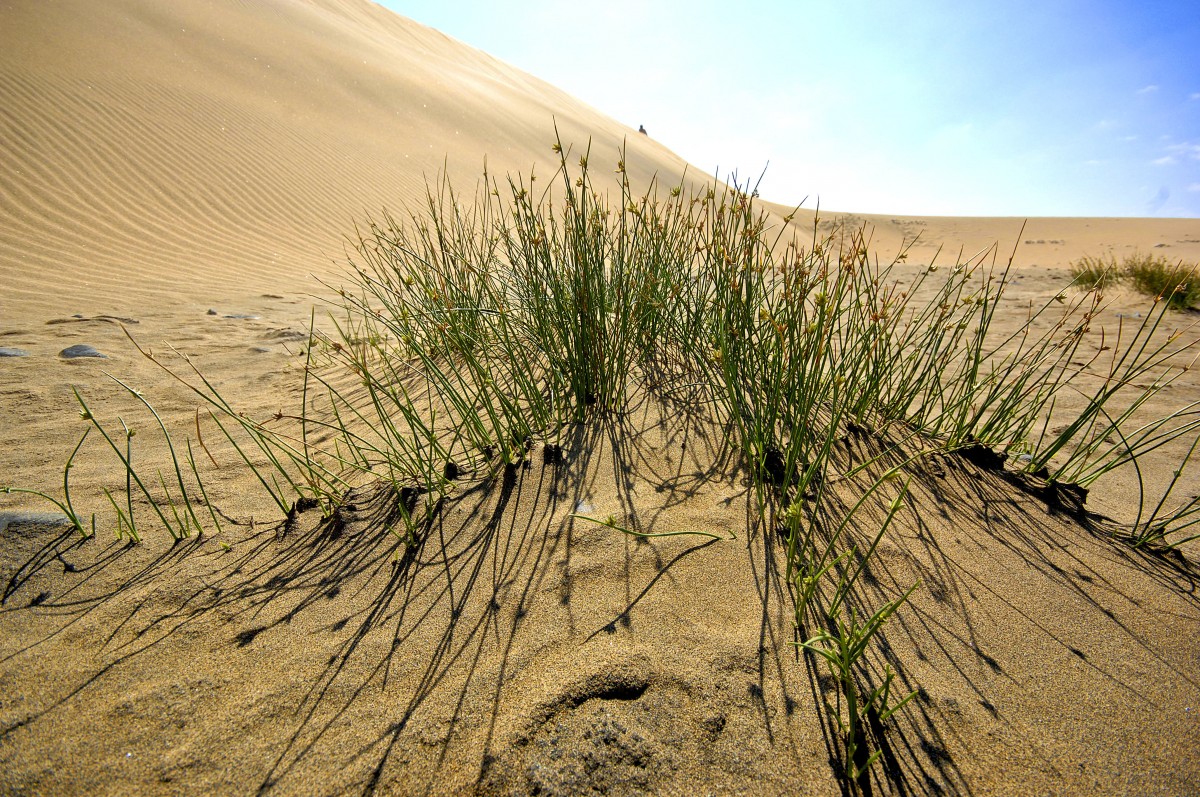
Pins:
x: 1186, y: 149
x: 1166, y: 160
x: 1193, y: 188
x: 1194, y: 95
x: 1148, y: 89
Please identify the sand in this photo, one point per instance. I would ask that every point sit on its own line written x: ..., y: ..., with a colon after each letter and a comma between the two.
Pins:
x: 189, y: 173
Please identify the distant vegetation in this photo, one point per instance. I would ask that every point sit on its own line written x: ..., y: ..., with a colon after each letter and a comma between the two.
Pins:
x: 1095, y: 272
x: 1176, y: 282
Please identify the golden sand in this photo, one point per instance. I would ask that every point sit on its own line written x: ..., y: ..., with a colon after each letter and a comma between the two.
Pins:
x: 162, y: 160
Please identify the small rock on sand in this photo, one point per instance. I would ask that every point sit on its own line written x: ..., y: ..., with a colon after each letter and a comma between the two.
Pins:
x: 286, y: 334
x: 81, y: 350
x: 6, y: 351
x: 17, y: 518
x: 242, y: 316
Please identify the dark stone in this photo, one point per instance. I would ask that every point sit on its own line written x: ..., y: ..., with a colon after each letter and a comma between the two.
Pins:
x: 5, y: 351
x: 81, y: 350
x: 408, y: 498
x: 305, y: 503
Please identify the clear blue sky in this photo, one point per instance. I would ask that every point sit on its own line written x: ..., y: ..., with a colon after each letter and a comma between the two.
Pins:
x: 921, y: 107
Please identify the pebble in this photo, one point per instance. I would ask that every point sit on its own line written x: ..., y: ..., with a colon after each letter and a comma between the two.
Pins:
x: 244, y: 316
x: 286, y: 334
x: 5, y: 351
x: 23, y: 518
x: 81, y: 350
x: 211, y: 311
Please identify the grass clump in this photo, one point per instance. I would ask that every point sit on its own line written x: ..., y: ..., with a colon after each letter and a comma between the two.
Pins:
x: 1175, y: 282
x: 1095, y: 272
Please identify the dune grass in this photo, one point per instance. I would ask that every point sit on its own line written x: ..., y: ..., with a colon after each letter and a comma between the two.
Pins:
x: 1096, y: 271
x: 1174, y: 282
x: 469, y: 330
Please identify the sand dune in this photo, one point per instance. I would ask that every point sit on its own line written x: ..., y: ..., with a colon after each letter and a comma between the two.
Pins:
x: 189, y: 172
x: 186, y: 154
x: 190, y: 153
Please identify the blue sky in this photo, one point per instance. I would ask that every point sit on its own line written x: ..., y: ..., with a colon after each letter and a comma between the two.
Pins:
x: 922, y: 107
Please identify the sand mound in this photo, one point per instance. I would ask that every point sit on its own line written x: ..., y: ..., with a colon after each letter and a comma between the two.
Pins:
x: 511, y: 648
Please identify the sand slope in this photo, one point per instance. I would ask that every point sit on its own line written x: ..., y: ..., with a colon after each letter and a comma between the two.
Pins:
x: 165, y: 160
x: 161, y: 161
x: 179, y: 151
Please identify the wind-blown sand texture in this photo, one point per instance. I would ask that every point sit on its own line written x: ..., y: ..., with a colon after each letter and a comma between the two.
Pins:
x: 165, y: 160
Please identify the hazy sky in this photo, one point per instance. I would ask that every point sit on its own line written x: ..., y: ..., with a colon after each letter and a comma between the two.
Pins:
x: 922, y: 107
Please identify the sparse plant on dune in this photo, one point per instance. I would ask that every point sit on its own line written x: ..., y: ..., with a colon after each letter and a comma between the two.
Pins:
x: 610, y: 522
x: 843, y: 646
x: 1098, y: 272
x: 64, y: 505
x: 1174, y: 282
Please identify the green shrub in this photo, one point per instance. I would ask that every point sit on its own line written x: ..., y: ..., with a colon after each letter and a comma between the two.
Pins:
x: 1177, y: 282
x: 1095, y: 272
